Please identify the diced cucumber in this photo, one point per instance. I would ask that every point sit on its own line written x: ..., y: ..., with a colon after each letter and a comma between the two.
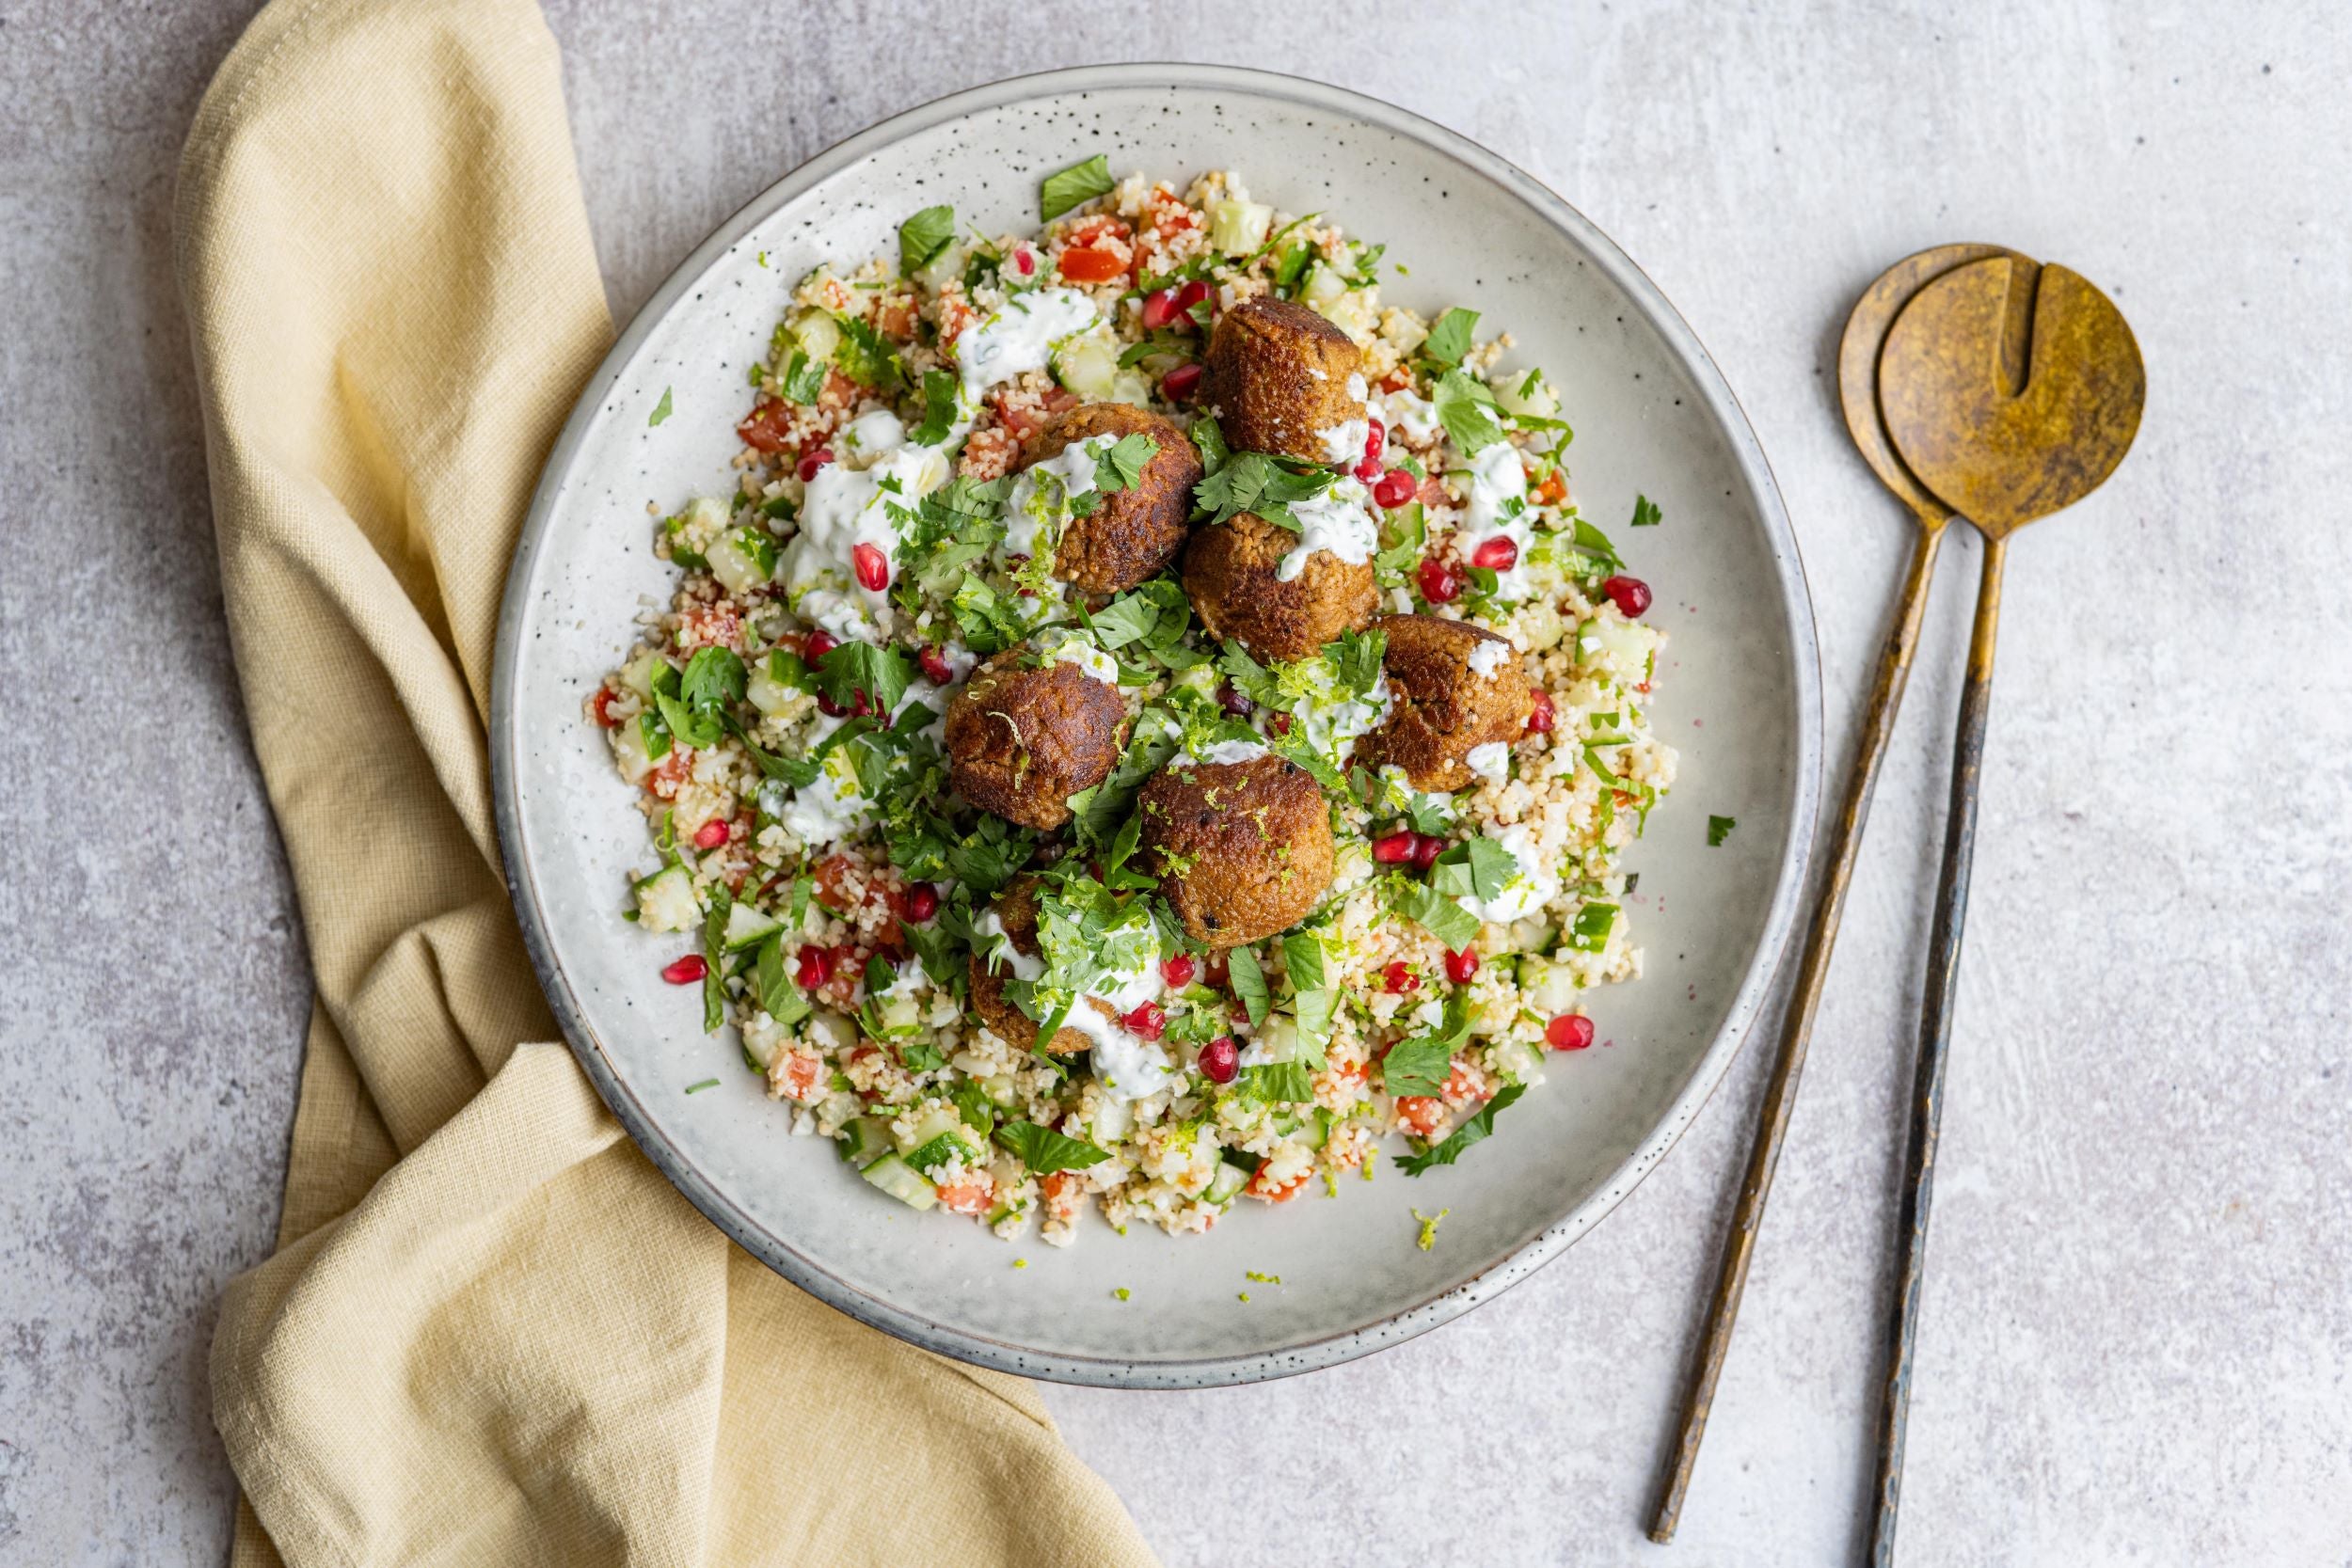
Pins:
x: 1278, y: 1040
x: 818, y: 333
x: 1318, y: 1129
x: 767, y: 693
x: 1238, y: 228
x: 693, y: 530
x: 947, y: 1146
x: 1622, y: 647
x: 865, y: 1140
x: 743, y: 560
x: 666, y: 901
x: 1087, y: 365
x: 1491, y: 1016
x: 748, y: 927
x: 1514, y: 393
x: 933, y: 1123
x: 1541, y: 625
x: 1522, y: 1061
x: 1001, y: 1089
x: 1130, y: 387
x: 898, y: 1013
x: 1532, y: 935
x: 948, y: 264
x: 1111, y: 1120
x: 637, y: 675
x: 1226, y: 1184
x: 1590, y: 933
x: 1550, y: 987
x: 903, y: 1181
x: 631, y: 751
x: 1323, y: 286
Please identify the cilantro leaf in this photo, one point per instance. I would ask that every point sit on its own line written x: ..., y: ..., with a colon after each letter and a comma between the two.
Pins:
x: 1645, y: 511
x: 1719, y: 829
x: 1476, y: 868
x: 1125, y: 620
x: 1467, y: 409
x: 939, y: 410
x: 922, y: 237
x: 714, y: 676
x: 1079, y: 182
x: 1253, y: 482
x: 1356, y: 658
x: 1045, y: 1151
x: 1210, y: 440
x: 881, y: 674
x: 1477, y: 1130
x: 779, y: 998
x: 1121, y: 463
x: 803, y: 379
x: 662, y: 409
x: 1418, y: 1066
x: 1451, y: 338
x: 1250, y: 984
x: 1438, y: 914
x: 866, y: 357
x: 1278, y: 1083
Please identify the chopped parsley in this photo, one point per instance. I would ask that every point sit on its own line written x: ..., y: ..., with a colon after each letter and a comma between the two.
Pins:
x: 1438, y: 914
x: 662, y: 409
x: 922, y: 237
x: 939, y: 408
x: 1450, y: 338
x: 1253, y: 482
x: 1719, y: 829
x: 1250, y: 984
x: 1045, y: 1151
x: 865, y: 356
x: 1466, y: 406
x: 1477, y: 1130
x: 1070, y: 187
x: 1645, y: 512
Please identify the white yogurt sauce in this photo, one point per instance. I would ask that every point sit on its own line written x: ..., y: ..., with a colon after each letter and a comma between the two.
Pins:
x: 1491, y: 761
x: 1486, y: 658
x: 841, y: 508
x: 1340, y: 521
x: 1038, y: 502
x: 1063, y: 646
x: 875, y: 432
x: 1497, y: 480
x: 829, y: 808
x: 1019, y: 336
x: 996, y: 949
x: 1344, y: 443
x: 1417, y: 416
x: 1536, y: 884
x: 1223, y: 751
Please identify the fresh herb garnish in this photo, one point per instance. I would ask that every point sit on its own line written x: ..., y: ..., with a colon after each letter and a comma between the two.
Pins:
x: 1278, y: 1083
x: 1719, y: 829
x: 1422, y: 1064
x: 866, y: 357
x: 1451, y: 338
x: 1121, y: 463
x: 1466, y: 407
x: 803, y: 379
x: 881, y: 674
x: 1438, y: 914
x: 922, y: 237
x: 662, y: 409
x: 1250, y: 984
x: 1045, y: 1151
x: 939, y: 408
x: 706, y: 1083
x: 1253, y: 482
x: 1645, y: 511
x: 1477, y: 1130
x: 1474, y: 868
x: 1067, y: 189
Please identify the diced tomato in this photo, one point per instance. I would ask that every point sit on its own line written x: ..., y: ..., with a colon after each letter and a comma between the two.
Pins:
x: 1023, y: 416
x: 1553, y: 490
x: 895, y: 319
x: 968, y: 1198
x: 955, y: 315
x: 711, y: 626
x: 1167, y: 214
x: 1092, y: 265
x: 833, y: 882
x: 797, y: 1074
x: 1422, y: 1115
x: 1274, y: 1192
x: 764, y: 428
x: 1396, y: 380
x: 1461, y: 1089
x: 604, y: 708
x: 670, y: 774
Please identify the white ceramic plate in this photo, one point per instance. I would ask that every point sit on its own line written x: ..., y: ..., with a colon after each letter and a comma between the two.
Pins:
x: 1738, y: 698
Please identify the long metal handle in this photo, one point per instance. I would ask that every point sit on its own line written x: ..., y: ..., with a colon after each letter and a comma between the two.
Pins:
x: 1780, y: 1092
x: 1935, y: 1043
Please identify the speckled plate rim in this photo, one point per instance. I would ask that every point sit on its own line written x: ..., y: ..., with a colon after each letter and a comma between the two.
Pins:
x: 1441, y: 1306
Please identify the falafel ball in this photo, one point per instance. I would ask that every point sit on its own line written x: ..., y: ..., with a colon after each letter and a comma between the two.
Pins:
x: 1243, y: 849
x: 1022, y: 740
x: 1131, y: 533
x: 1016, y: 910
x: 1444, y: 705
x: 1230, y: 577
x: 1277, y: 377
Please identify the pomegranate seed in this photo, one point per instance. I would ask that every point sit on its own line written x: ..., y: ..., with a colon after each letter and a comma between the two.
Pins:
x: 820, y: 643
x: 1178, y: 970
x: 1399, y: 978
x: 1439, y: 584
x: 1159, y: 309
x: 1220, y: 1059
x: 1460, y: 967
x: 830, y: 708
x: 1218, y: 971
x: 1397, y: 848
x: 711, y: 834
x: 1630, y: 595
x: 1569, y: 1032
x: 1499, y: 554
x: 1426, y: 849
x: 811, y: 462
x: 1149, y: 1020
x: 815, y: 967
x: 1180, y: 383
x: 687, y: 970
x: 1025, y: 261
x: 1189, y: 295
x: 1540, y: 717
x: 859, y: 707
x: 1280, y: 724
x: 1228, y: 697
x: 1376, y: 439
x: 922, y: 903
x: 1394, y: 488
x: 873, y: 567
x: 936, y: 669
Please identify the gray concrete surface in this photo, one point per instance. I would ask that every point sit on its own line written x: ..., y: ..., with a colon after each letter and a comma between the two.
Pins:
x: 2140, y: 1310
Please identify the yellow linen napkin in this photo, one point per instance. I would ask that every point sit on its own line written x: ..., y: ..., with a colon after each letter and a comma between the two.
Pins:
x: 493, y: 1333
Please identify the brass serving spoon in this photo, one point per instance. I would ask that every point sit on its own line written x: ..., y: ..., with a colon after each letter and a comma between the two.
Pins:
x: 1858, y: 393
x: 2003, y: 438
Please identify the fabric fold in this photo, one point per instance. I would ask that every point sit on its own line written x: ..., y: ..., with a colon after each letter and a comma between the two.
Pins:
x: 492, y: 1334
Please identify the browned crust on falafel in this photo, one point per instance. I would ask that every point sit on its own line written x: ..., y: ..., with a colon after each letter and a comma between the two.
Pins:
x: 1243, y: 848
x: 1016, y: 908
x: 1443, y: 708
x: 1131, y: 533
x: 1229, y: 576
x: 1022, y: 740
x: 1277, y: 375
